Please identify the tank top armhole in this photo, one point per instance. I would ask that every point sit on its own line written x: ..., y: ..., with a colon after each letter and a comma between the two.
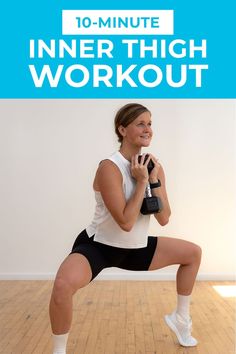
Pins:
x: 115, y: 164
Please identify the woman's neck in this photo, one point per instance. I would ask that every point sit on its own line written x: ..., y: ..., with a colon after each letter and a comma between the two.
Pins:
x: 129, y: 151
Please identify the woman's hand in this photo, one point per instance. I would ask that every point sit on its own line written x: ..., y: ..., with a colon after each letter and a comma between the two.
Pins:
x: 139, y: 170
x: 154, y: 175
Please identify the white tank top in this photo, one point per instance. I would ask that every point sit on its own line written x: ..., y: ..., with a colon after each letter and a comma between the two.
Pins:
x: 105, y: 229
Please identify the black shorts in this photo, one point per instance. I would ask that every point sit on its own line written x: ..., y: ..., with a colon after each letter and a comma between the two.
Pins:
x: 102, y: 256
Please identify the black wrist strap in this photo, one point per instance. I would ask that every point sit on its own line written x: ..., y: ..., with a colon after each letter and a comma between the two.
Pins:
x: 155, y: 185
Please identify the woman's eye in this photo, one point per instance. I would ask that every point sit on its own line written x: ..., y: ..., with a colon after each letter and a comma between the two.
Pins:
x: 143, y: 125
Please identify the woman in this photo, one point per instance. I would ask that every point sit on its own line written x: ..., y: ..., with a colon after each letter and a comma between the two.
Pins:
x: 117, y: 236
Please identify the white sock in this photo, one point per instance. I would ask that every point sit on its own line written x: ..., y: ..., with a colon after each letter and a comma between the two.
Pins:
x: 59, y: 343
x: 183, y: 304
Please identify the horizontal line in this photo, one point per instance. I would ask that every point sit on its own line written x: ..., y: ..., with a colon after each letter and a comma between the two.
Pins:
x: 123, y: 275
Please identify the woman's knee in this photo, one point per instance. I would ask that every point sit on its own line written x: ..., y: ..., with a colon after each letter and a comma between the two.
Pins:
x: 73, y: 274
x: 196, y: 252
x: 62, y: 290
x: 66, y: 287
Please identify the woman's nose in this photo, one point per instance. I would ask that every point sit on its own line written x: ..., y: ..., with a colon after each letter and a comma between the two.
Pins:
x: 148, y: 128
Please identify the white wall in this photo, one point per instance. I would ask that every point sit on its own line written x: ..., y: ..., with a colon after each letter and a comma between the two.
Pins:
x: 49, y: 151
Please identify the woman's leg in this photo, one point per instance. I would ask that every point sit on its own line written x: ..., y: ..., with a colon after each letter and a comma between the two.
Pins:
x: 171, y: 251
x: 73, y: 274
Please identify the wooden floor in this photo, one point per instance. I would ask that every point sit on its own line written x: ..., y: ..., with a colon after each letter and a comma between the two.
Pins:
x: 115, y: 317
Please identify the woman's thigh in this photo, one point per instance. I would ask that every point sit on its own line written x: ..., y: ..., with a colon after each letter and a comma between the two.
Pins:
x: 171, y: 251
x: 75, y: 272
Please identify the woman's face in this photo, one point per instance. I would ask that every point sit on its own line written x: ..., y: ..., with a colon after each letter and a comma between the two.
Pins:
x: 139, y: 132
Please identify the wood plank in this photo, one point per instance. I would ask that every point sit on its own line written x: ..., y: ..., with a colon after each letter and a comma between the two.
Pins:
x: 115, y: 317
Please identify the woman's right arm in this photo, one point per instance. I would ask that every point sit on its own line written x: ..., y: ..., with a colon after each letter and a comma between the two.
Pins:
x: 108, y: 181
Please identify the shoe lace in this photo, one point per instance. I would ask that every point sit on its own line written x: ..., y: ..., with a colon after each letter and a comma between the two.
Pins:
x: 187, y: 326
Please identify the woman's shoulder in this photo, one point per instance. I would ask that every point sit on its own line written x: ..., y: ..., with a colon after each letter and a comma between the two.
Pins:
x: 107, y: 171
x: 109, y: 162
x: 107, y: 166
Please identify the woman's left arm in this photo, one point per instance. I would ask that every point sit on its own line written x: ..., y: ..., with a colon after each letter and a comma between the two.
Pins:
x: 158, y: 173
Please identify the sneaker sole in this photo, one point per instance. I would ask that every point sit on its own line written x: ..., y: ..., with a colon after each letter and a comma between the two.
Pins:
x: 175, y: 330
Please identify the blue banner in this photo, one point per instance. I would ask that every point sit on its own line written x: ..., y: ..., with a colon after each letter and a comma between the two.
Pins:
x: 161, y: 49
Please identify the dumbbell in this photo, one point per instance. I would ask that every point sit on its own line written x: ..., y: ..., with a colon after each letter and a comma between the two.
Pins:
x: 151, y: 204
x: 150, y: 165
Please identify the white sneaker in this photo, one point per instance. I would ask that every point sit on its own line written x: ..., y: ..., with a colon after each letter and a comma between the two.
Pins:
x: 182, y: 329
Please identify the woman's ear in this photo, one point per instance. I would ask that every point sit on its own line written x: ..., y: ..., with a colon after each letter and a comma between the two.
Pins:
x: 122, y: 130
